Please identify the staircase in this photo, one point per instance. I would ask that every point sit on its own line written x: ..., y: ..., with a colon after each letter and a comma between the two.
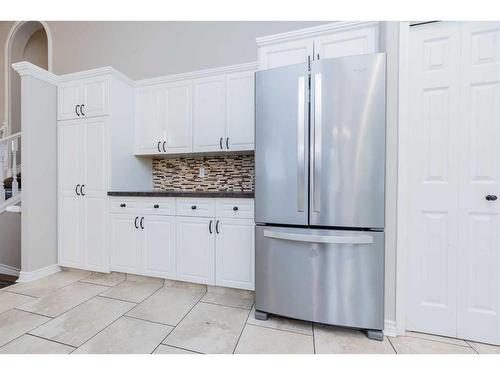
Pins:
x: 10, y: 176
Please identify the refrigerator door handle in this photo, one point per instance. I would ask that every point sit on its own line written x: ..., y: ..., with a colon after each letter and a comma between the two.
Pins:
x: 316, y: 179
x: 355, y: 240
x: 300, y: 144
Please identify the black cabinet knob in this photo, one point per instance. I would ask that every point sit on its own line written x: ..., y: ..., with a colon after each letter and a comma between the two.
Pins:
x: 123, y: 205
x: 193, y: 207
x: 235, y: 208
x: 490, y: 197
x: 156, y: 206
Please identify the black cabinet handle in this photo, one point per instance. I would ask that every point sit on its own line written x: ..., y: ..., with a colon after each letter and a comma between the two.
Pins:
x: 491, y: 197
x: 227, y: 143
x: 142, y: 222
x: 235, y: 208
x: 156, y: 206
x: 317, y: 56
x: 193, y: 207
x: 135, y: 222
x: 220, y: 142
x: 164, y: 143
x: 217, y: 226
x: 81, y: 109
x: 210, y: 227
x: 123, y: 205
x: 159, y: 143
x: 76, y: 189
x: 76, y: 110
x: 81, y: 190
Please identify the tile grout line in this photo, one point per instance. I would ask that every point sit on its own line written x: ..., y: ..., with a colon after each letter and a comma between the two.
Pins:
x: 51, y: 340
x: 220, y: 304
x: 314, y: 339
x: 279, y: 329
x: 25, y: 333
x: 180, y: 321
x: 392, y: 345
x: 173, y: 346
x: 119, y: 299
x: 243, y: 328
x: 90, y: 338
x: 441, y: 342
x: 470, y: 346
x: 147, y: 320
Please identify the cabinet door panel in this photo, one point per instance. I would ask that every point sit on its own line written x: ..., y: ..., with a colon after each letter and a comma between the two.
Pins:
x: 96, y: 257
x: 124, y: 244
x: 282, y: 54
x: 348, y: 43
x: 159, y: 246
x: 195, y: 250
x: 94, y: 157
x: 148, y: 120
x: 235, y: 253
x: 209, y: 114
x: 240, y: 111
x: 69, y: 96
x: 95, y: 97
x: 69, y: 252
x: 178, y: 128
x: 69, y: 159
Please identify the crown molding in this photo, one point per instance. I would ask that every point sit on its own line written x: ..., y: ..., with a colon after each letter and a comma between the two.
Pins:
x: 314, y: 31
x: 96, y: 72
x: 252, y: 66
x: 25, y: 68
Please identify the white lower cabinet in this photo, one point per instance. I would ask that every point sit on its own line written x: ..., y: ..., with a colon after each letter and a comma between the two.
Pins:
x: 195, y: 249
x: 158, y: 246
x: 235, y: 245
x: 124, y: 243
x: 211, y: 244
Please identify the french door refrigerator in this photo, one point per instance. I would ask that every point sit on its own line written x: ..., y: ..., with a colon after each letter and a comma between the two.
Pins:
x: 320, y: 192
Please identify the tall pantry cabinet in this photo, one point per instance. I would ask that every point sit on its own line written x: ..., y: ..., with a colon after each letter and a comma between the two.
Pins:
x: 95, y: 154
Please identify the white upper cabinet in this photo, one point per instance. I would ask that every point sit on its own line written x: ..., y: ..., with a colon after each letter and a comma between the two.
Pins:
x: 83, y: 98
x: 321, y: 42
x: 178, y: 123
x: 209, y: 114
x: 197, y: 112
x: 282, y: 54
x: 240, y: 111
x: 163, y: 118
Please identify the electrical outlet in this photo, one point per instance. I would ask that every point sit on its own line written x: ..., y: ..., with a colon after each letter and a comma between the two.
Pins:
x: 201, y: 172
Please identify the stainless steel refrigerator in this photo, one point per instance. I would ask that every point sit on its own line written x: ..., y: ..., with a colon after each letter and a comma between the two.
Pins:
x: 320, y: 192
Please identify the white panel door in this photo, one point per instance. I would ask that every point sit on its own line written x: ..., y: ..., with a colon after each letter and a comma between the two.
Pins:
x: 209, y: 114
x: 282, y: 54
x: 195, y: 249
x: 158, y: 246
x: 240, y: 107
x: 70, y: 201
x: 95, y: 97
x: 347, y: 43
x: 432, y: 253
x: 124, y: 243
x: 479, y: 218
x: 94, y: 160
x: 178, y: 122
x: 235, y: 253
x: 68, y: 97
x: 149, y: 120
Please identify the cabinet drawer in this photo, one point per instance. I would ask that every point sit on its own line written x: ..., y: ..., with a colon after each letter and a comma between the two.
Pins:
x: 123, y: 205
x: 202, y: 207
x: 234, y: 208
x: 157, y: 206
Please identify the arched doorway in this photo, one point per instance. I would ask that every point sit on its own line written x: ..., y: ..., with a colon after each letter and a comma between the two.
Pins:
x: 27, y: 41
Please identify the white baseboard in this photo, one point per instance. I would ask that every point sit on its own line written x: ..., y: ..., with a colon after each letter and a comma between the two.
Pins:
x: 8, y: 270
x: 25, y: 277
x: 390, y: 328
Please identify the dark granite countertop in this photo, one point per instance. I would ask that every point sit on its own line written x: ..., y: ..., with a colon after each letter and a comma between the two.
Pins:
x: 183, y: 193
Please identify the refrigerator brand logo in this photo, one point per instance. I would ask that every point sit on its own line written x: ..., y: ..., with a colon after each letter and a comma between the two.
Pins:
x: 360, y: 70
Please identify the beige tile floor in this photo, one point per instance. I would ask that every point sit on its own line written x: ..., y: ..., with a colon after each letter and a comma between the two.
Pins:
x: 79, y: 312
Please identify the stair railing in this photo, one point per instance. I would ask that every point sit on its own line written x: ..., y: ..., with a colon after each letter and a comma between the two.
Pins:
x: 9, y: 148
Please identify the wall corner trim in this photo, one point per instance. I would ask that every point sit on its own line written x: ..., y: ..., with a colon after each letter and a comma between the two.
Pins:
x: 25, y: 68
x: 314, y: 31
x: 390, y: 328
x: 25, y: 276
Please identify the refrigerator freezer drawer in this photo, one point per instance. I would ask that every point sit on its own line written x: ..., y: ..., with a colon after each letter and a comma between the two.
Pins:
x: 325, y: 276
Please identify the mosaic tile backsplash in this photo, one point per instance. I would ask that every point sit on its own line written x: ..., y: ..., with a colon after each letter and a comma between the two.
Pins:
x: 222, y: 173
